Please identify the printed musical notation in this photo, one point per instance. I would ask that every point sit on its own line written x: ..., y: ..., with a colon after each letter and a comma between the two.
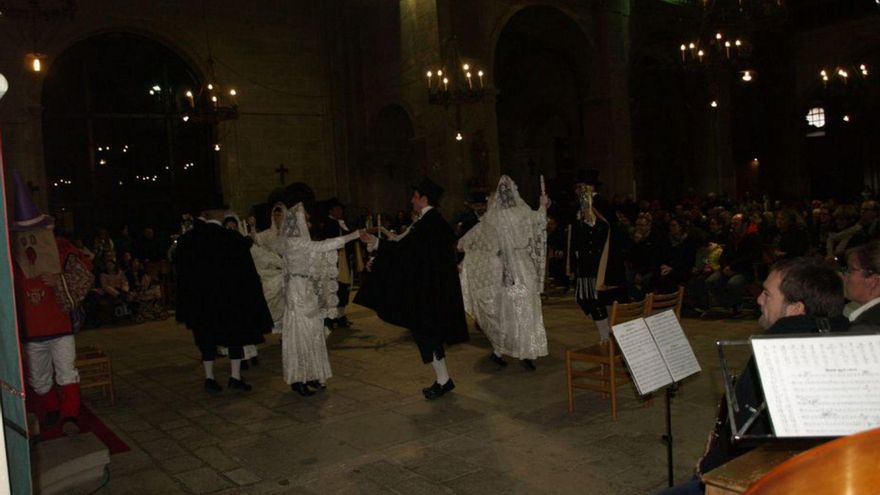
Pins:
x: 820, y: 386
x: 656, y: 350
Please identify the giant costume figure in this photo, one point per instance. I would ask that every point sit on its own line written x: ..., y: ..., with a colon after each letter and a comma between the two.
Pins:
x: 51, y: 278
x: 502, y: 274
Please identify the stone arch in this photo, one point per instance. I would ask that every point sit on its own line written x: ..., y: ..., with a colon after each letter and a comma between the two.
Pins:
x: 541, y: 68
x: 95, y: 95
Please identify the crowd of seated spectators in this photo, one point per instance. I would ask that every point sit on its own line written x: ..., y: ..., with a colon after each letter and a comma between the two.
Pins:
x: 719, y: 249
x: 127, y: 277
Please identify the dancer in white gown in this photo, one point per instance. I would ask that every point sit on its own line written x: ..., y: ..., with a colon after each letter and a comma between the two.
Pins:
x: 310, y: 286
x: 270, y: 265
x: 502, y: 274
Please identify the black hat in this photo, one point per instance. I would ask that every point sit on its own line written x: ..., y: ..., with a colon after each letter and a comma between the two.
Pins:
x: 333, y: 203
x: 429, y: 188
x: 589, y: 176
x: 477, y: 198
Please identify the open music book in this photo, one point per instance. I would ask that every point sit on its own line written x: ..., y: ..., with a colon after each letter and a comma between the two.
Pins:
x: 820, y: 386
x: 656, y: 351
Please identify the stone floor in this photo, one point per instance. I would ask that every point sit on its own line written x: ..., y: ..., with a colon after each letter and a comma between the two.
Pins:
x: 501, y: 431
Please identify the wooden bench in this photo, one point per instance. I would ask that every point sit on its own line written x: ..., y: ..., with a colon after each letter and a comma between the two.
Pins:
x: 95, y: 370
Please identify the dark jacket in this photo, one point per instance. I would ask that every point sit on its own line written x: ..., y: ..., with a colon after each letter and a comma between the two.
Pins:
x: 749, y: 392
x: 869, y: 321
x: 414, y: 282
x: 220, y: 296
x: 740, y: 253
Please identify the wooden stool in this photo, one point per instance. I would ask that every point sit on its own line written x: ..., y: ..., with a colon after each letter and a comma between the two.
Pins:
x: 95, y: 370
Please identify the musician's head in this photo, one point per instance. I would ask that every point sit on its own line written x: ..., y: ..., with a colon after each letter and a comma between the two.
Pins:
x: 862, y: 276
x: 800, y: 286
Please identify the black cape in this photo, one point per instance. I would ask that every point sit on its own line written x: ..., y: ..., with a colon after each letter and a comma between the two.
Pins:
x: 414, y: 282
x: 219, y: 294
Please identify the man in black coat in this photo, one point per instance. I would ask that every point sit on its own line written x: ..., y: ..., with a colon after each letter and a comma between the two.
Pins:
x: 800, y: 296
x: 219, y: 296
x: 334, y: 226
x: 414, y: 284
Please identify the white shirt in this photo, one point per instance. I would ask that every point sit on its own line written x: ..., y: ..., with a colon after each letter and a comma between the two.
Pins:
x: 864, y: 307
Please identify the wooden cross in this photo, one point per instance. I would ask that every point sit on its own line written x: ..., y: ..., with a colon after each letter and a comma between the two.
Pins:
x: 281, y: 171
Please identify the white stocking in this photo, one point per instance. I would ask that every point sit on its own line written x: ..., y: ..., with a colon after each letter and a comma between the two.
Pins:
x: 235, y: 365
x: 209, y: 369
x: 604, y: 329
x: 440, y: 370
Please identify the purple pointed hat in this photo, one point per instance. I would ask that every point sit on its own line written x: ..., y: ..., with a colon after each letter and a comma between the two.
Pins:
x: 27, y: 215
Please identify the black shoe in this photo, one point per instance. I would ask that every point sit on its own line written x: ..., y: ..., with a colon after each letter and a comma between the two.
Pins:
x: 497, y: 360
x: 245, y: 365
x: 315, y: 384
x: 331, y: 324
x: 238, y: 384
x: 342, y: 322
x: 255, y: 361
x: 528, y: 364
x: 301, y: 389
x: 212, y: 386
x: 436, y: 390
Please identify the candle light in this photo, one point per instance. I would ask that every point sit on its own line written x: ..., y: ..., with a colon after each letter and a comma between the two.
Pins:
x: 480, y: 75
x: 470, y: 83
x: 430, y: 75
x: 466, y: 67
x: 379, y: 220
x: 700, y: 54
x: 445, y: 84
x: 189, y: 97
x: 233, y: 95
x: 683, y: 48
x: 727, y: 48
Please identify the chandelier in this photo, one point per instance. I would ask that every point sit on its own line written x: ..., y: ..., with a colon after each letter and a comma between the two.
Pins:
x: 211, y: 102
x: 725, y: 35
x: 454, y: 82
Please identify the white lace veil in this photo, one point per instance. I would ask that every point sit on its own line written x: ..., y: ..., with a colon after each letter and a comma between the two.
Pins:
x: 522, y: 234
x: 303, y: 258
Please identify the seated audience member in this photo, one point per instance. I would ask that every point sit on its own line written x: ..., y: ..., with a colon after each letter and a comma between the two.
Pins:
x: 792, y: 240
x: 148, y: 247
x: 115, y: 291
x: 861, y: 282
x: 645, y: 256
x: 103, y: 244
x: 742, y: 252
x: 678, y: 258
x: 869, y: 221
x: 845, y: 227
x: 799, y: 297
x: 706, y: 263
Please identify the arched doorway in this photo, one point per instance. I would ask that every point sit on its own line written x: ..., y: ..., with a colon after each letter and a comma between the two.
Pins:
x: 541, y: 72
x: 391, y: 162
x: 117, y: 151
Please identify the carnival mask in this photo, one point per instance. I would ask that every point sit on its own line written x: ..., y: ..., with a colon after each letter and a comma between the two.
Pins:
x: 35, y: 252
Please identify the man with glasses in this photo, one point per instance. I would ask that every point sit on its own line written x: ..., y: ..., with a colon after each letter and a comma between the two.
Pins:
x: 862, y: 285
x: 869, y: 221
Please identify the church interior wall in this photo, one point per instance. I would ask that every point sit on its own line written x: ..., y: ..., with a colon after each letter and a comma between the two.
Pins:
x: 275, y: 57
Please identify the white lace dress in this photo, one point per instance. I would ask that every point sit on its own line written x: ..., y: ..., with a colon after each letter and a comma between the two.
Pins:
x: 502, y: 275
x: 310, y: 294
x: 270, y: 267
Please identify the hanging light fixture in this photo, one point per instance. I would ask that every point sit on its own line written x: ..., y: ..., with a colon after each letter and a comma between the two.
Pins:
x: 452, y: 88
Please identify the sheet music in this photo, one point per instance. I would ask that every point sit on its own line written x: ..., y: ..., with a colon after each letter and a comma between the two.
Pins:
x: 645, y: 363
x: 673, y: 345
x: 820, y: 386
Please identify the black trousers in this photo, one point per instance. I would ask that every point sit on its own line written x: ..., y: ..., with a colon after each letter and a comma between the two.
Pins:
x: 209, y: 352
x: 343, y: 293
x: 429, y: 347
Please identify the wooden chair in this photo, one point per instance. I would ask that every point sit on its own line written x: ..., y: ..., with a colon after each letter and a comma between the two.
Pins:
x: 662, y: 302
x: 604, y: 371
x: 95, y: 371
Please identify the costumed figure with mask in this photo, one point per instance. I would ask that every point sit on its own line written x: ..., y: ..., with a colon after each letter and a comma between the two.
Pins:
x: 413, y: 283
x: 219, y: 295
x: 51, y: 278
x: 310, y: 271
x: 502, y: 274
x: 588, y: 241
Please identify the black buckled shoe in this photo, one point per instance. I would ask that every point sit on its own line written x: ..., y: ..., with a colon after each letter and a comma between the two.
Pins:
x: 528, y: 364
x: 302, y: 389
x: 238, y: 384
x: 436, y: 390
x: 212, y: 387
